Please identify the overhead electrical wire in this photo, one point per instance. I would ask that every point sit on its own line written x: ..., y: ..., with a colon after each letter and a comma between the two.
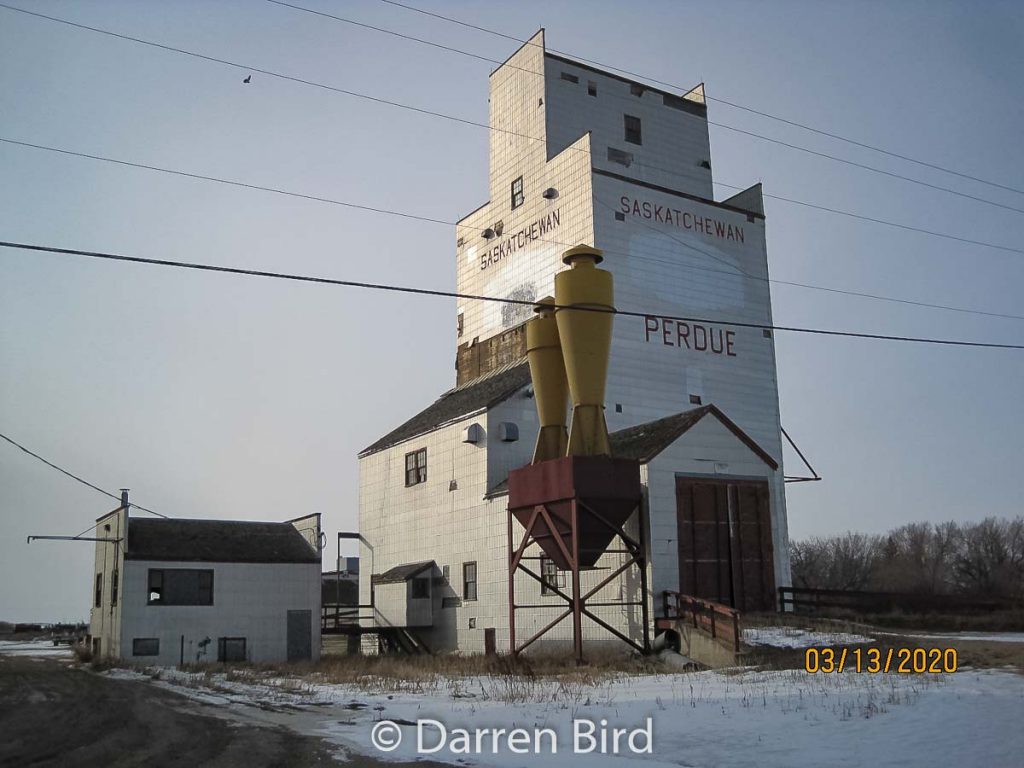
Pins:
x: 824, y: 208
x: 761, y: 113
x: 759, y: 136
x: 431, y: 220
x: 403, y: 214
x: 464, y: 121
x: 76, y: 478
x: 495, y: 299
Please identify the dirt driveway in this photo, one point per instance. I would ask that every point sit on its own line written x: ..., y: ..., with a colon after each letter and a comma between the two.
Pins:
x: 53, y: 714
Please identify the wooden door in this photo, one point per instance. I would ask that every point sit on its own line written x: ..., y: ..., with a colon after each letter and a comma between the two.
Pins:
x: 725, y: 542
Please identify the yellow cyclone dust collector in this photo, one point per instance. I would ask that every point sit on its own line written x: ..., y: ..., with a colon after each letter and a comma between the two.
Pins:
x: 547, y: 370
x: 586, y: 338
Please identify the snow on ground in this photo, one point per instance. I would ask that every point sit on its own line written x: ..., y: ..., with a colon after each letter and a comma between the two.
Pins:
x: 790, y: 637
x: 35, y: 648
x: 743, y: 718
x: 984, y: 637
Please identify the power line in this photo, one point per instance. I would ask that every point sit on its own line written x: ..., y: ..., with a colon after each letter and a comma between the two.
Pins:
x: 828, y: 209
x: 416, y: 217
x: 796, y: 147
x: 464, y: 121
x: 776, y: 281
x: 477, y: 297
x: 735, y: 105
x: 75, y: 477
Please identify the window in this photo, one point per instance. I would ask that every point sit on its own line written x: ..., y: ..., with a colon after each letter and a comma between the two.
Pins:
x: 416, y: 467
x: 461, y: 323
x: 469, y: 581
x: 620, y: 157
x: 570, y: 78
x: 420, y: 588
x: 446, y: 574
x: 517, y: 193
x: 633, y: 130
x: 591, y: 88
x: 695, y: 400
x: 553, y: 578
x: 113, y: 587
x: 231, y: 649
x: 180, y: 586
x: 146, y: 646
x: 99, y: 590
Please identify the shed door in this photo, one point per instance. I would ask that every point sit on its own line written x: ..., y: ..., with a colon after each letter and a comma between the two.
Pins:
x: 300, y: 635
x: 725, y: 542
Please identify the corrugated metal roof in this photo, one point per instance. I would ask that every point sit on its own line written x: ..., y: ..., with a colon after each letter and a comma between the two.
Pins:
x: 474, y: 396
x: 217, y: 541
x: 403, y: 572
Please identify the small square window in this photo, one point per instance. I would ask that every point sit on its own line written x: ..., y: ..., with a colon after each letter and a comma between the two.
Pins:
x: 517, y: 193
x: 416, y: 467
x: 618, y: 407
x: 231, y: 649
x: 695, y: 399
x: 633, y: 133
x: 145, y: 646
x: 420, y: 588
x: 591, y: 88
x: 766, y: 332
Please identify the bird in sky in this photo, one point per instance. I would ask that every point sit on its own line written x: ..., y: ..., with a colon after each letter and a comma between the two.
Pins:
x: 247, y: 79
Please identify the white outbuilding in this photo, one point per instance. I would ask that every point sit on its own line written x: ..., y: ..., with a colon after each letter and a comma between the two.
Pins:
x: 171, y: 591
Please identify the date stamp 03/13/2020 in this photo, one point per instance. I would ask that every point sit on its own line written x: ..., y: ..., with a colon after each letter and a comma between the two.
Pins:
x: 904, y: 661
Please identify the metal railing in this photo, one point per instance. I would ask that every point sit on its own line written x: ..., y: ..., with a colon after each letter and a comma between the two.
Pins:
x: 719, y: 621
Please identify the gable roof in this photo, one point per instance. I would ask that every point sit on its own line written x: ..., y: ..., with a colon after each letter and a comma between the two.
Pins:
x: 645, y: 441
x: 217, y: 541
x: 403, y: 572
x: 474, y: 396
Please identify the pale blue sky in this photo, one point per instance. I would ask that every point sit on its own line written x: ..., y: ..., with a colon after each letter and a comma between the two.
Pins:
x: 241, y: 398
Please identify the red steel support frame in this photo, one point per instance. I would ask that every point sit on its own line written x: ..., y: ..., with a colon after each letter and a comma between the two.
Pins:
x: 577, y: 601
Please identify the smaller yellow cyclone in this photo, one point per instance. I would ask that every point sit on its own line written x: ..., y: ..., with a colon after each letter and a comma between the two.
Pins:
x: 551, y: 389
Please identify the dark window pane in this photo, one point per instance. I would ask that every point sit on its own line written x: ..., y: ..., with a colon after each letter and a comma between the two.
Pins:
x: 99, y: 590
x: 180, y: 586
x: 146, y: 646
x: 231, y: 649
x: 517, y: 193
x: 469, y: 581
x: 633, y: 135
x: 420, y: 588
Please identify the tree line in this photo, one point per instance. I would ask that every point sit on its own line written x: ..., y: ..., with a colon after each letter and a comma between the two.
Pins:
x: 982, y: 559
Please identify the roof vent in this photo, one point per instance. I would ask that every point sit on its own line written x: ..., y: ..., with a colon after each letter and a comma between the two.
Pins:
x: 474, y: 433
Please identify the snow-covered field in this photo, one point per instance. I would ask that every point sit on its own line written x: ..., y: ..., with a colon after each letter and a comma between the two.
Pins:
x: 790, y: 637
x: 725, y: 718
x: 738, y: 718
x: 37, y: 648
